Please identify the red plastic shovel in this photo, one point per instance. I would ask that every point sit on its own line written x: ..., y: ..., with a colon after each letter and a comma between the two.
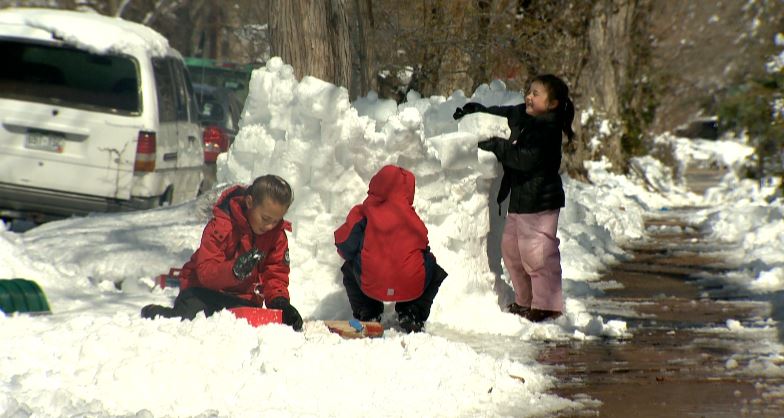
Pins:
x: 258, y: 316
x: 169, y: 280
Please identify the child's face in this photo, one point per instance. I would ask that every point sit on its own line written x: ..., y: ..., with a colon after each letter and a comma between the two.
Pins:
x: 264, y: 216
x: 537, y: 102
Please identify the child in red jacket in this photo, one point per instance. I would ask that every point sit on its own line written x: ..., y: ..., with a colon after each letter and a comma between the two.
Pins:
x: 243, y: 259
x: 387, y: 256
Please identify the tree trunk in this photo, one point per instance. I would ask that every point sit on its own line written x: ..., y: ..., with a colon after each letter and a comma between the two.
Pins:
x: 363, y: 79
x: 482, y: 74
x: 300, y: 36
x: 426, y: 78
x: 339, y: 43
x: 604, y: 78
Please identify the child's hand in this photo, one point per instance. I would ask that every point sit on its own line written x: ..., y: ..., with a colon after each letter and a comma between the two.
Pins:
x: 291, y: 316
x: 470, y: 107
x: 245, y: 263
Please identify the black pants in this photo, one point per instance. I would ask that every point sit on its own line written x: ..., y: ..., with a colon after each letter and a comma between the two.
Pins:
x: 365, y: 308
x: 193, y: 300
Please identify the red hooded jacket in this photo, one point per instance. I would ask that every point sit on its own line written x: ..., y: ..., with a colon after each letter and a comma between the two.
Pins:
x: 385, y: 239
x: 227, y: 236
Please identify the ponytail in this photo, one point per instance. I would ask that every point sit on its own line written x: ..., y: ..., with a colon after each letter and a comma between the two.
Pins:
x: 566, y: 117
x: 558, y: 90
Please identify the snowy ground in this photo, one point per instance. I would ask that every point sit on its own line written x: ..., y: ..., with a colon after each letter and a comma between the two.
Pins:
x: 94, y: 356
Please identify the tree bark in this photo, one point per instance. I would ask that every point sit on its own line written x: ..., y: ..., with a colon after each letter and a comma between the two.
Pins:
x: 607, y: 73
x: 299, y: 35
x: 482, y: 74
x: 363, y: 79
x: 340, y: 42
x: 427, y: 77
x: 314, y: 37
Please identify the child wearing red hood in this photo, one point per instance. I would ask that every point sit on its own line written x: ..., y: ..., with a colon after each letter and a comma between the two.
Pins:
x: 243, y: 259
x: 387, y: 257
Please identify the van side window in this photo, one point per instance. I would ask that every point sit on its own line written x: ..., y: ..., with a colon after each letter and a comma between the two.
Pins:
x: 183, y: 93
x: 193, y: 104
x: 164, y: 87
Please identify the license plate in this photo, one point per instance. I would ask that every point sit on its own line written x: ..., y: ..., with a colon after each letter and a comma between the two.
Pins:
x: 44, y: 141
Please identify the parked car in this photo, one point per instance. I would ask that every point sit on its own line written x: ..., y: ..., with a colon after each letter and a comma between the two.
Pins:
x: 219, y: 115
x: 97, y: 113
x: 229, y: 75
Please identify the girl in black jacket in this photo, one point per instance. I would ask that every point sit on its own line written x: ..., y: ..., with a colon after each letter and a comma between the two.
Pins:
x: 531, y: 158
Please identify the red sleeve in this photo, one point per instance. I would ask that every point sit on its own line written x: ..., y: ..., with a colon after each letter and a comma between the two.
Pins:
x: 275, y: 269
x: 346, y: 246
x: 212, y: 267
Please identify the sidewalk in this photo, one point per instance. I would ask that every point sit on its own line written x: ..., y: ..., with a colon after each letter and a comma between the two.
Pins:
x: 681, y: 361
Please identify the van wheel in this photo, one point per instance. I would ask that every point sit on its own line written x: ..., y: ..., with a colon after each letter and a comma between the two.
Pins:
x: 166, y: 197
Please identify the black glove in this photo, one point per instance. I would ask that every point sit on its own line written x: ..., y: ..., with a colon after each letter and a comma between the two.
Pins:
x: 291, y: 316
x: 470, y: 107
x: 490, y: 144
x: 245, y: 263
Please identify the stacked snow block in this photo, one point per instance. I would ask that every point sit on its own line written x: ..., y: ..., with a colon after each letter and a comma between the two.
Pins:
x: 21, y: 295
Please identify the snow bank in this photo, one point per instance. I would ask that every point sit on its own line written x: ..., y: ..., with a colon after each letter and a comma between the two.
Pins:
x: 758, y: 230
x: 727, y: 153
x: 130, y: 366
x: 740, y: 211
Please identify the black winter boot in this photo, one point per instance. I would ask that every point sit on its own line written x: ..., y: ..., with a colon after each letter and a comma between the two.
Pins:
x: 410, y: 324
x: 519, y: 310
x: 153, y: 311
x: 539, y: 315
x: 368, y: 314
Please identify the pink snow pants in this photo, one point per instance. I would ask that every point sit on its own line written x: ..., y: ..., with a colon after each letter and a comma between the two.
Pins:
x: 531, y: 256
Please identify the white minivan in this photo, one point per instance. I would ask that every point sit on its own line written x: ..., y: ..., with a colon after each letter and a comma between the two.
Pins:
x: 96, y: 114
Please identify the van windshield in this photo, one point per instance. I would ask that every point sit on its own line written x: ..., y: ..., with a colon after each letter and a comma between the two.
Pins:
x: 69, y: 77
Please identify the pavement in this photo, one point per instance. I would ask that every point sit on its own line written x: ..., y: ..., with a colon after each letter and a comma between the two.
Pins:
x: 696, y: 344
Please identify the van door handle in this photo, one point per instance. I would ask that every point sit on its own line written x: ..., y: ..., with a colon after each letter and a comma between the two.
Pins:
x: 191, y: 138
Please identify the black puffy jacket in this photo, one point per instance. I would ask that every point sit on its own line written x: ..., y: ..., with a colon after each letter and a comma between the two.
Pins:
x: 531, y: 158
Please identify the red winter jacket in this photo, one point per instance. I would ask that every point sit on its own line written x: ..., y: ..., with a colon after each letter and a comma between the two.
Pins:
x: 385, y: 239
x: 227, y: 236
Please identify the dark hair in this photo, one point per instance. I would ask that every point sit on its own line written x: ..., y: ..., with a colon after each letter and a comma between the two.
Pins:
x: 273, y: 187
x: 558, y: 90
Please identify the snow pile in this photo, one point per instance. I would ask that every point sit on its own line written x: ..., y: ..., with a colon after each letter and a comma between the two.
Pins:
x: 728, y: 153
x: 90, y: 31
x: 96, y: 356
x: 308, y: 132
x: 758, y: 229
x: 755, y: 351
x: 222, y: 366
x: 741, y: 211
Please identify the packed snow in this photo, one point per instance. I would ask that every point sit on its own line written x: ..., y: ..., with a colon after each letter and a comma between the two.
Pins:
x: 94, y: 355
x: 90, y: 31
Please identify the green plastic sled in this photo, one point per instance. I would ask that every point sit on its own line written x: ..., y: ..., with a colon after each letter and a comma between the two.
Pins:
x: 21, y: 295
